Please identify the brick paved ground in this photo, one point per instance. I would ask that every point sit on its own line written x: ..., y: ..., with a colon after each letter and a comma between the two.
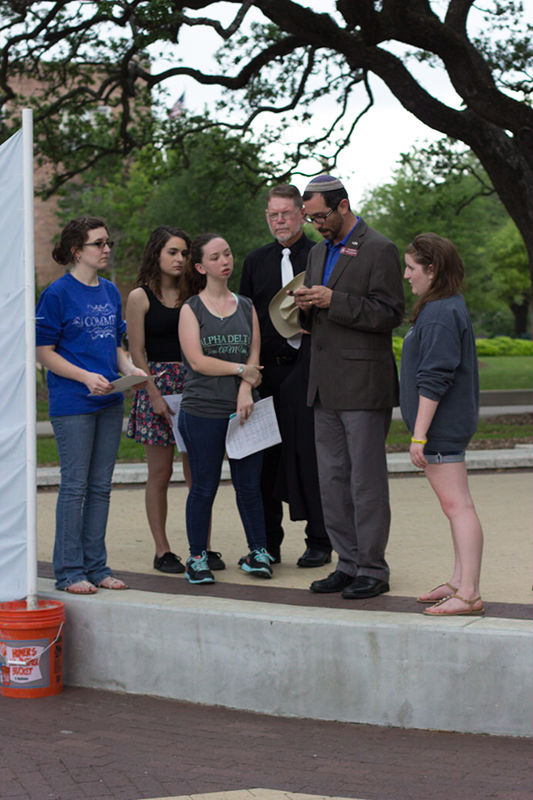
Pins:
x: 105, y: 746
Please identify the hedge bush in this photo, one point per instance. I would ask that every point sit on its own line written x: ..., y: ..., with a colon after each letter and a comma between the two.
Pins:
x: 498, y: 346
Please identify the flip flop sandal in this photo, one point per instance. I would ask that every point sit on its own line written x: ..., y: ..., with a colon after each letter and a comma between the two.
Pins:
x: 436, y: 600
x: 471, y: 612
x: 110, y: 582
x: 80, y: 587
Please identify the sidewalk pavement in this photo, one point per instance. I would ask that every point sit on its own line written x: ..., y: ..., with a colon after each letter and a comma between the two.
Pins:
x: 419, y: 552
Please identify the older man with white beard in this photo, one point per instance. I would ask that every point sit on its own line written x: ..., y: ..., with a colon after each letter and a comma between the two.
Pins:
x: 265, y: 271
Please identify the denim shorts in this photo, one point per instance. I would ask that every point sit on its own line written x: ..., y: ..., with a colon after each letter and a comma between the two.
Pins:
x: 447, y: 457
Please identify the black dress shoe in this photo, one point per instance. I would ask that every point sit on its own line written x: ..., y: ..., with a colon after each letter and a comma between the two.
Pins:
x: 364, y: 586
x: 335, y: 582
x: 313, y: 558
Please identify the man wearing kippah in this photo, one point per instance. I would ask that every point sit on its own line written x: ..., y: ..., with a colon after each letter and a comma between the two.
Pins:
x: 351, y: 301
x: 289, y: 469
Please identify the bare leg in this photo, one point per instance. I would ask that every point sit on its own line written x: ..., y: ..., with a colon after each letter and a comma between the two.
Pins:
x: 159, y: 461
x: 450, y: 484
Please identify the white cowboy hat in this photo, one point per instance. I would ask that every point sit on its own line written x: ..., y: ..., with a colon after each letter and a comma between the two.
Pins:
x: 284, y: 311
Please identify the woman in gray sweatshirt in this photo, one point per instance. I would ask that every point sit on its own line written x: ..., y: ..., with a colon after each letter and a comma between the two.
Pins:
x: 439, y: 398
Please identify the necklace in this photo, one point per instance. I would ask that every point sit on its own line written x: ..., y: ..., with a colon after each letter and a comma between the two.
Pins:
x: 218, y: 313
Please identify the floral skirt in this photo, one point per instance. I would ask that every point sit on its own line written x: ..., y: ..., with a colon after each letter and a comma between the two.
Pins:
x: 143, y: 425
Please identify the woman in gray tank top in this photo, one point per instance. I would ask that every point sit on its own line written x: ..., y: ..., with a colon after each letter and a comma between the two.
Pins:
x: 220, y: 342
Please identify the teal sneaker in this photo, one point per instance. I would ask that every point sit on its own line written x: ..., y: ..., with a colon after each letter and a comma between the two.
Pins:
x: 257, y: 562
x: 197, y: 570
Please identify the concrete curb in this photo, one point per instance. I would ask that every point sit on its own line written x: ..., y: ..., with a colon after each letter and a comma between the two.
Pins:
x: 378, y: 668
x: 520, y: 457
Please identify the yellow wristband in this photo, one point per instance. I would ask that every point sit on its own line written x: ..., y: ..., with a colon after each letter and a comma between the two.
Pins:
x: 418, y: 441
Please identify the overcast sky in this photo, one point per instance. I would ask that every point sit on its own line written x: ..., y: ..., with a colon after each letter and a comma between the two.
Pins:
x: 380, y: 136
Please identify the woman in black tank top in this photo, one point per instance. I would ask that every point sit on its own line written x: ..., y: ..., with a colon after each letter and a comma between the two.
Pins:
x: 152, y: 314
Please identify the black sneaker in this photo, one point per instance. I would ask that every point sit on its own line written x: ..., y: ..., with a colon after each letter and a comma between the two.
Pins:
x: 214, y: 560
x: 257, y: 562
x: 168, y: 562
x: 197, y: 570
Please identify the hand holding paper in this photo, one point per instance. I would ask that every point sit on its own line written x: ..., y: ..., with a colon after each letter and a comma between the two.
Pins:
x: 122, y: 384
x: 257, y: 433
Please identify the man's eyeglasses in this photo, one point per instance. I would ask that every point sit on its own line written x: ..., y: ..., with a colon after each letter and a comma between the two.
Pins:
x: 317, y: 219
x: 281, y: 215
x: 100, y: 245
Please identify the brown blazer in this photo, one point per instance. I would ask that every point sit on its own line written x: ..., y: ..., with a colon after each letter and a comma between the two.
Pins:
x: 352, y: 363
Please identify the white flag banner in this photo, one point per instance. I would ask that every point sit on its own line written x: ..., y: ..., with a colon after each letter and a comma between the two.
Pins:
x: 13, y: 467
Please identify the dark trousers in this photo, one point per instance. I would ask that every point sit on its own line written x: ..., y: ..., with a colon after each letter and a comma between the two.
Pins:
x: 289, y: 469
x: 273, y: 377
x: 205, y: 439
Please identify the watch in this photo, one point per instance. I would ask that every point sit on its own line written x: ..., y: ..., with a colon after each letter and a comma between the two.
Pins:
x: 240, y: 369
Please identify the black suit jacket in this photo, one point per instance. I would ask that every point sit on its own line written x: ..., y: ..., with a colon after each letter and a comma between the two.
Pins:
x: 261, y: 280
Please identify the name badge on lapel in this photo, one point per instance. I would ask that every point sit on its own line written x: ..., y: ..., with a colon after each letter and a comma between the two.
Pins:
x: 349, y: 251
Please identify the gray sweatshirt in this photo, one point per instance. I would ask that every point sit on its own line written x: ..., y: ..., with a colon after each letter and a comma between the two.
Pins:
x: 439, y: 361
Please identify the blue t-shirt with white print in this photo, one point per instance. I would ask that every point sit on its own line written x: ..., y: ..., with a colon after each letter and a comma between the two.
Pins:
x: 84, y: 323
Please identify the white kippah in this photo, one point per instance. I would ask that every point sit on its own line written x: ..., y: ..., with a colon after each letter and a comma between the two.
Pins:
x: 323, y: 183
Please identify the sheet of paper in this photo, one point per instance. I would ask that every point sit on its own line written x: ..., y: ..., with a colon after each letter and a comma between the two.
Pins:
x: 258, y: 432
x: 173, y: 401
x: 127, y: 382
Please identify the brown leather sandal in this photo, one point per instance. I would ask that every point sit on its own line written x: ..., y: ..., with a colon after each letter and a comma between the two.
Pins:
x: 470, y: 612
x: 434, y: 600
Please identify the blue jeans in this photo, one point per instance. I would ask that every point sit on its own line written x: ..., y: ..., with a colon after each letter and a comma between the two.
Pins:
x: 87, y: 446
x: 205, y: 439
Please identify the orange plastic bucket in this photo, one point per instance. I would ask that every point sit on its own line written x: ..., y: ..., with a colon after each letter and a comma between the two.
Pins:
x: 31, y: 648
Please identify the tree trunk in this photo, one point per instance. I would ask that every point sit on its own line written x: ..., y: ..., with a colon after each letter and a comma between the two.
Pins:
x: 521, y: 316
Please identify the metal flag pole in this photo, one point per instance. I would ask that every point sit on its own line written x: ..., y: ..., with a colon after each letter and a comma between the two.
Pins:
x: 29, y: 305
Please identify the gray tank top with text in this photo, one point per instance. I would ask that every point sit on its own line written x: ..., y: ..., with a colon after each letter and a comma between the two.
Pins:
x: 229, y: 339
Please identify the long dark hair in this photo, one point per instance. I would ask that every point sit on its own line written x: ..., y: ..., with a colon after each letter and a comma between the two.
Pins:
x: 73, y: 237
x: 192, y: 281
x: 150, y: 271
x: 431, y: 250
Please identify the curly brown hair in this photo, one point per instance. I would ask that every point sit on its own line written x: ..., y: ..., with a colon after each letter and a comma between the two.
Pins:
x: 150, y: 272
x: 432, y: 250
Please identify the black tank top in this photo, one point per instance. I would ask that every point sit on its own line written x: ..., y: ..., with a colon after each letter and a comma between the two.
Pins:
x: 161, y: 330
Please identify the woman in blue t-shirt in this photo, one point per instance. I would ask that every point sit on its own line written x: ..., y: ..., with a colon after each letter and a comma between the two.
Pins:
x: 220, y: 343
x: 79, y: 334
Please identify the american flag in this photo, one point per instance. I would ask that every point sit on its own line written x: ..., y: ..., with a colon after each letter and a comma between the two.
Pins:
x: 178, y: 107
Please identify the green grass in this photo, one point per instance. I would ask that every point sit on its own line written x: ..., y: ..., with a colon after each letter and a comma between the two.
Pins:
x: 487, y: 431
x: 398, y: 436
x: 47, y: 451
x: 506, y: 372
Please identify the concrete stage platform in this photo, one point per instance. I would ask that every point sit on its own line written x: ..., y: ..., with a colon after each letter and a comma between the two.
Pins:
x: 274, y: 647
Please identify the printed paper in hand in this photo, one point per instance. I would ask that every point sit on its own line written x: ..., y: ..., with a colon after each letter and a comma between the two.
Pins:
x: 173, y: 401
x: 258, y: 432
x: 121, y: 384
